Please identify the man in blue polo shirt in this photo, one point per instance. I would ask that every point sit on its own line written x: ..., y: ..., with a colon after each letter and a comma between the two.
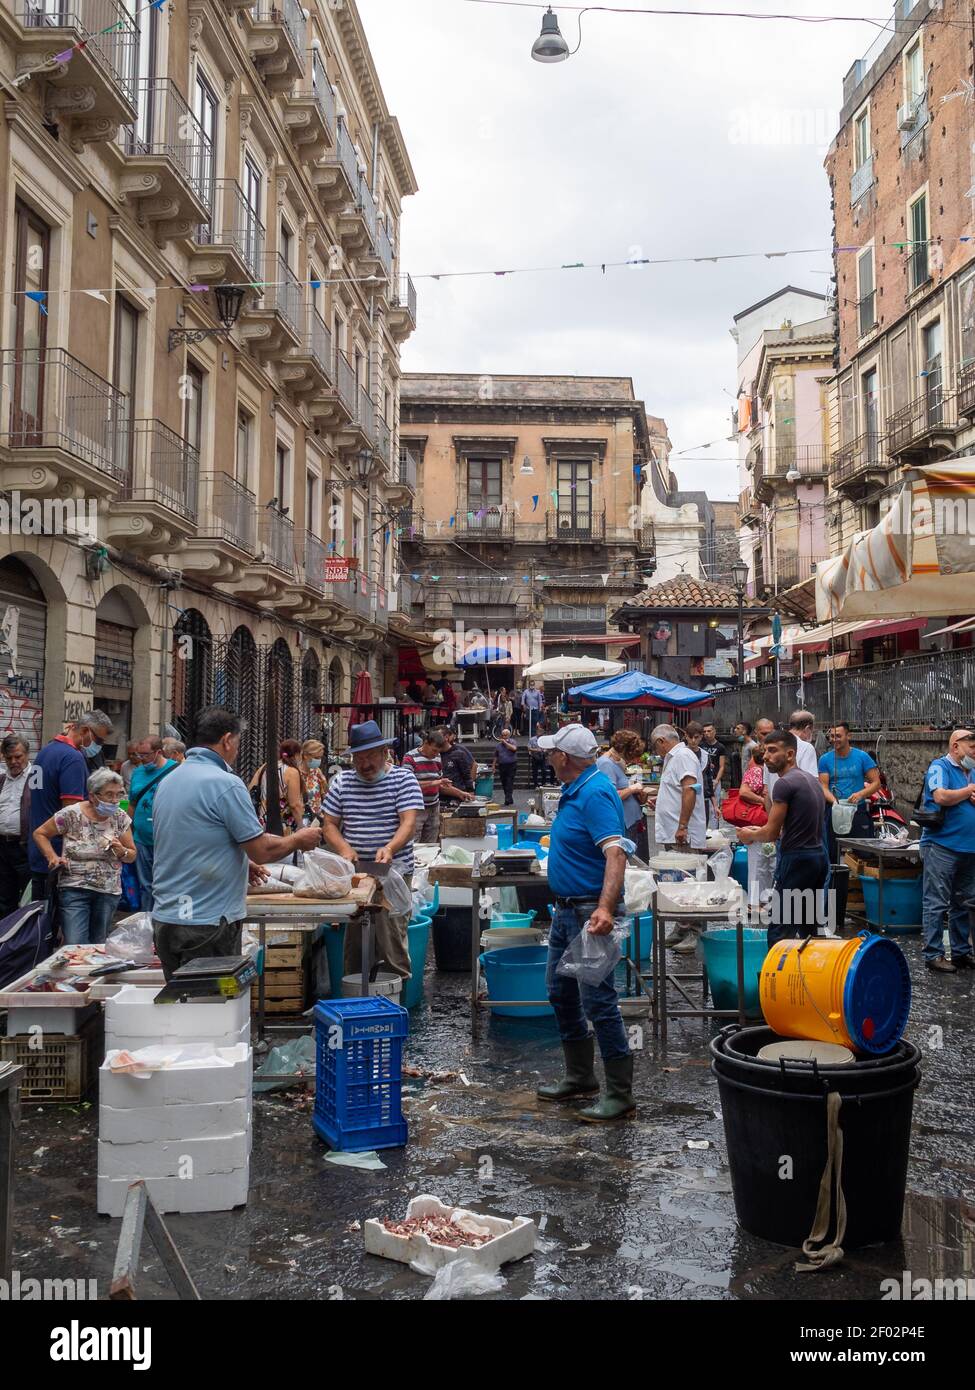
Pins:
x: 586, y: 863
x: 948, y: 852
x: 59, y: 778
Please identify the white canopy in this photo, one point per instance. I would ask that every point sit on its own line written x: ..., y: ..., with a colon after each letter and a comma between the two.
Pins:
x: 572, y: 668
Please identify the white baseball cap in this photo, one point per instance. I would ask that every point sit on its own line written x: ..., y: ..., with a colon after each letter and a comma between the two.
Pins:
x: 572, y: 739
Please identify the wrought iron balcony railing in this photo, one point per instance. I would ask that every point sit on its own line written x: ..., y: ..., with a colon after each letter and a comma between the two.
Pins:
x: 276, y: 534
x: 383, y: 440
x: 164, y: 468
x: 319, y: 340
x: 316, y: 554
x: 236, y: 224
x: 862, y: 180
x: 406, y: 469
x: 404, y: 296
x: 111, y: 37
x: 563, y: 524
x: 366, y: 415
x: 229, y: 512
x: 345, y: 381
x: 168, y: 128
x: 53, y: 401
x: 861, y: 454
x: 476, y: 522
x: 290, y: 15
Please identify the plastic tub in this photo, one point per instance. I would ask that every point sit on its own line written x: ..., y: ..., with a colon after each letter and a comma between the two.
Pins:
x: 540, y: 851
x: 386, y: 985
x: 517, y: 973
x: 645, y: 935
x: 772, y: 1109
x: 505, y: 833
x: 506, y: 938
x: 739, y: 866
x: 452, y: 939
x: 484, y: 786
x: 534, y: 833
x: 720, y: 950
x: 418, y: 934
x: 902, y: 903
x: 513, y: 919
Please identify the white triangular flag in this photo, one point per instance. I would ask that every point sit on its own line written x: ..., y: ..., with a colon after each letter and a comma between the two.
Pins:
x: 95, y: 294
x: 605, y: 579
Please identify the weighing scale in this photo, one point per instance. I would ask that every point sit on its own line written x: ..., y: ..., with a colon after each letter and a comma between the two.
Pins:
x: 209, y: 979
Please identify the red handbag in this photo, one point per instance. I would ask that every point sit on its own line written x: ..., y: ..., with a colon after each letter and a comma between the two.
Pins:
x: 738, y: 812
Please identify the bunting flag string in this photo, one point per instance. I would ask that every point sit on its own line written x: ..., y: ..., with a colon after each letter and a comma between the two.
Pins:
x: 65, y: 57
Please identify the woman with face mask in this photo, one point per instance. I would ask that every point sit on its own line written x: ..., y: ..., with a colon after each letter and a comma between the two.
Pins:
x: 97, y: 841
x: 314, y: 783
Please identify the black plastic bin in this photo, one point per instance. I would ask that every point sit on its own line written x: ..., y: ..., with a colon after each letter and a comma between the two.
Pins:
x: 840, y: 888
x: 776, y: 1112
x: 452, y: 939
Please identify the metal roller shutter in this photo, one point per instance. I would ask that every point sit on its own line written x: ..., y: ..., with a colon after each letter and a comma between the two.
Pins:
x: 114, y: 659
x: 23, y: 614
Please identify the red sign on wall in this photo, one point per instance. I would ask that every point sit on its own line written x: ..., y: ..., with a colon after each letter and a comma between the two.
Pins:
x: 336, y: 571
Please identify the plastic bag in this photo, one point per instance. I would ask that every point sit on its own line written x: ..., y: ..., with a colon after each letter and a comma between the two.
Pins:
x: 720, y: 864
x: 398, y: 898
x: 842, y: 814
x: 638, y: 886
x: 132, y: 938
x: 589, y: 958
x: 296, y: 1056
x: 324, y: 875
x: 421, y: 885
x: 460, y: 1279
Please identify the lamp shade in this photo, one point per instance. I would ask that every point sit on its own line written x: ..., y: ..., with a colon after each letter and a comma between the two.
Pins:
x: 739, y: 574
x: 550, y: 46
x: 229, y: 300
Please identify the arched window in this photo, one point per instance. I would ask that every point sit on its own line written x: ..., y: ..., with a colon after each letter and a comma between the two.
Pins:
x: 192, y: 670
x: 241, y: 695
x: 311, y: 685
x: 280, y: 672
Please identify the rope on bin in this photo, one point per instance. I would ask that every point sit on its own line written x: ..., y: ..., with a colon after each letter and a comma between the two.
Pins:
x: 832, y: 1252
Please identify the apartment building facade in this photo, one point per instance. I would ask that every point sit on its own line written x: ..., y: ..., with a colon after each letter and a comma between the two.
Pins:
x: 203, y: 308
x: 528, y: 517
x: 902, y: 176
x: 785, y: 351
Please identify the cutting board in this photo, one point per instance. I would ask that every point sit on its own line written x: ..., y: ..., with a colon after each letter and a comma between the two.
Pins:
x: 363, y: 891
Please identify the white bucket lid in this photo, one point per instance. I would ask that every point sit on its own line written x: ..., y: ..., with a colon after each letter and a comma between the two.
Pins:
x: 802, y: 1050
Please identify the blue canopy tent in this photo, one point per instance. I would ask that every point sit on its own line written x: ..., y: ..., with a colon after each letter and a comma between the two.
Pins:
x: 480, y: 656
x: 637, y: 688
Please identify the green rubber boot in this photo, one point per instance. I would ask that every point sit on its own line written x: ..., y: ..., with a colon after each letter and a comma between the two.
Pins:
x: 580, y: 1078
x: 618, y: 1100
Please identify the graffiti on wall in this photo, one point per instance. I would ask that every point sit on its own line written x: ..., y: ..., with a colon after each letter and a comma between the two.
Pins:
x: 19, y: 714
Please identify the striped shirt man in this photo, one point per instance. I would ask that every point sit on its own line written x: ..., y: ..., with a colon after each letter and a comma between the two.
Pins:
x: 428, y: 772
x: 370, y: 811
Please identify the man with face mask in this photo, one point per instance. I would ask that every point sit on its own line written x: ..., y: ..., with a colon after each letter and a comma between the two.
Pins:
x: 370, y: 813
x: 59, y: 778
x: 948, y: 851
x: 101, y: 728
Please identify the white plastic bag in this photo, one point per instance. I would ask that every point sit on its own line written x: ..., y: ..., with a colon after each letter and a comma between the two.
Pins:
x: 638, y: 886
x: 324, y: 875
x: 589, y: 958
x: 399, y: 900
x: 720, y: 864
x: 842, y: 814
x: 460, y: 1279
x: 132, y: 938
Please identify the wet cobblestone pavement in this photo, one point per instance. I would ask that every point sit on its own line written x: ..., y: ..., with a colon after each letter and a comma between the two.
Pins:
x: 624, y: 1212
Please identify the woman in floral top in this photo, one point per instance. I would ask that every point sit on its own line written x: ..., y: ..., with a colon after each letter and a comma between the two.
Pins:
x: 314, y: 783
x: 97, y: 842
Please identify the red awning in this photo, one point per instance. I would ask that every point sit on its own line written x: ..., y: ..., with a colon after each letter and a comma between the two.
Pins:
x: 601, y: 639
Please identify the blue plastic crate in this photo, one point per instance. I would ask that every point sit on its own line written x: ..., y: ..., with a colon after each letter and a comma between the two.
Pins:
x: 358, y: 1078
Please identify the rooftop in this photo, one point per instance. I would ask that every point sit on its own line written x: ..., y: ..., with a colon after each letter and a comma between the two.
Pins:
x: 683, y: 591
x: 470, y: 386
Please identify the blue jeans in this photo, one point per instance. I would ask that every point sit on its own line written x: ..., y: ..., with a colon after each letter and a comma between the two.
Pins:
x: 949, y: 884
x: 573, y: 1003
x: 143, y: 867
x: 86, y: 915
x: 797, y: 898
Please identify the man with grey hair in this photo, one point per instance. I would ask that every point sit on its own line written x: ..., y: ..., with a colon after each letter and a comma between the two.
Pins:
x: 15, y: 789
x: 802, y: 723
x: 679, y: 806
x: 586, y: 864
x: 101, y: 727
x: 174, y: 748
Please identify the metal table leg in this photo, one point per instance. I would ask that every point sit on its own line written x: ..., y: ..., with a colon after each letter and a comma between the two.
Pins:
x: 740, y: 953
x: 475, y: 952
x: 262, y: 942
x: 366, y: 945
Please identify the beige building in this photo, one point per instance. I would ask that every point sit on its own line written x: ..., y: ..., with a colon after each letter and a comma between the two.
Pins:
x: 530, y: 520
x: 202, y: 308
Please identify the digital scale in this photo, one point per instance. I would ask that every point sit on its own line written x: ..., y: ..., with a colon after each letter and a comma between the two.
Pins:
x: 209, y: 979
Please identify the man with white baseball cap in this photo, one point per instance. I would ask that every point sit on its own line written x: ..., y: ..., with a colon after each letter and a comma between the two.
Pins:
x: 586, y: 862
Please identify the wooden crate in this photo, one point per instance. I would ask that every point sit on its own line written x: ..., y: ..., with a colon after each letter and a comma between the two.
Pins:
x: 286, y: 949
x: 63, y: 1068
x: 285, y: 990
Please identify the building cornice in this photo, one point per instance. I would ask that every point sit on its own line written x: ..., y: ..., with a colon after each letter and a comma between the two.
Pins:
x: 25, y: 122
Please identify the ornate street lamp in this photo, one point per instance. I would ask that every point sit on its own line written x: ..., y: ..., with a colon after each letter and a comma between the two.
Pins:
x: 229, y: 299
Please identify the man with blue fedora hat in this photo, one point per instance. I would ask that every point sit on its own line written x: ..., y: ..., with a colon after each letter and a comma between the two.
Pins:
x: 370, y: 812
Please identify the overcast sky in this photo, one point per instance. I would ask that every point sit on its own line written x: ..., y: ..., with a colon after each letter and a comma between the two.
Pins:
x: 660, y: 137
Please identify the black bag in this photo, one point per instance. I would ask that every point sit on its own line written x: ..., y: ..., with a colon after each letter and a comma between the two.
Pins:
x: 927, y: 820
x: 26, y: 938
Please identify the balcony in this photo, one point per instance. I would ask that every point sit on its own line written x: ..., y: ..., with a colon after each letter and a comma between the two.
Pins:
x: 384, y: 250
x: 276, y: 43
x: 402, y: 309
x: 61, y: 422
x: 474, y: 522
x: 965, y: 395
x: 867, y: 313
x: 862, y: 181
x: 157, y: 504
x: 860, y: 464
x: 360, y: 432
x: 316, y: 555
x: 336, y: 175
x: 925, y: 430
x: 229, y: 513
x: 401, y: 488
x: 357, y: 224
x: 384, y: 443
x: 334, y: 406
x: 273, y: 325
x: 307, y: 370
x: 776, y: 466
x: 402, y: 600
x: 790, y: 569
x: 749, y: 511
x: 276, y: 541
x: 168, y: 163
x: 309, y: 110
x: 96, y: 89
x: 233, y: 239
x: 576, y: 527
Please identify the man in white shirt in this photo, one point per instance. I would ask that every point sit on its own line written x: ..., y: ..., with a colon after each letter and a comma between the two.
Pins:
x: 679, y: 805
x: 15, y: 784
x: 803, y: 725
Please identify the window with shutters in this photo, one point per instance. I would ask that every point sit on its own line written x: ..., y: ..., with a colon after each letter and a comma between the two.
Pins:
x: 919, y: 264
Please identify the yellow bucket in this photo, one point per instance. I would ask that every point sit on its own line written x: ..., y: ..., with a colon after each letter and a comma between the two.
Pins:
x: 856, y: 993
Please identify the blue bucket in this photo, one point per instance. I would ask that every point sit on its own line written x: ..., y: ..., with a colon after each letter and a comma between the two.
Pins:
x: 484, y: 786
x: 646, y: 938
x: 418, y: 934
x: 505, y: 834
x: 533, y: 832
x: 517, y: 972
x: 335, y: 955
x: 721, y: 962
x: 902, y: 903
x: 739, y: 866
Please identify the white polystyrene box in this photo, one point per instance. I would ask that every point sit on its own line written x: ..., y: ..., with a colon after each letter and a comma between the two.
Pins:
x: 133, y: 1014
x: 186, y: 1159
x: 217, y: 1074
x: 512, y: 1239
x: 115, y: 1040
x: 146, y: 1124
x: 215, y: 1192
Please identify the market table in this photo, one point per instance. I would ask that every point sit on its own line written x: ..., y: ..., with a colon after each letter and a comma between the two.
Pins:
x: 312, y: 916
x: 662, y: 977
x: 885, y: 853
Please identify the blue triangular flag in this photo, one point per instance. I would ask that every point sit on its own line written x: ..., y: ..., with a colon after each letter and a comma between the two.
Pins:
x: 38, y: 296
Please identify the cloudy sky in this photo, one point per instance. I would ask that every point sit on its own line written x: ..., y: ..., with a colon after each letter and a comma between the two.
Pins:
x: 661, y: 137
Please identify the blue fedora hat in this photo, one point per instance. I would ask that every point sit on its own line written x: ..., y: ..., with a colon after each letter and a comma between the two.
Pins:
x: 368, y: 735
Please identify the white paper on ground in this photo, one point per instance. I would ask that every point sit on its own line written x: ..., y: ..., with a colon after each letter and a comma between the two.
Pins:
x: 370, y: 1159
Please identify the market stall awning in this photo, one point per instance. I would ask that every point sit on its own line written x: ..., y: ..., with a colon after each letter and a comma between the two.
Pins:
x: 819, y: 638
x: 573, y: 668
x: 964, y: 625
x: 637, y: 688
x: 918, y: 561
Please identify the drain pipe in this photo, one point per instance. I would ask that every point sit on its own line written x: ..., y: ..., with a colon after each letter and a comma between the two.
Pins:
x: 374, y: 186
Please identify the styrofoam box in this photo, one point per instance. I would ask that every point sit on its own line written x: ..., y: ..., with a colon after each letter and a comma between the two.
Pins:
x: 116, y: 1039
x: 132, y: 1013
x: 147, y: 1124
x: 66, y: 1021
x: 215, y: 1192
x: 180, y: 1086
x: 173, y: 1158
x: 512, y: 1241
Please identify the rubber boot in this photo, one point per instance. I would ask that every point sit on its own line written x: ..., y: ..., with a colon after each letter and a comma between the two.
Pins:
x: 618, y: 1100
x: 580, y: 1077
